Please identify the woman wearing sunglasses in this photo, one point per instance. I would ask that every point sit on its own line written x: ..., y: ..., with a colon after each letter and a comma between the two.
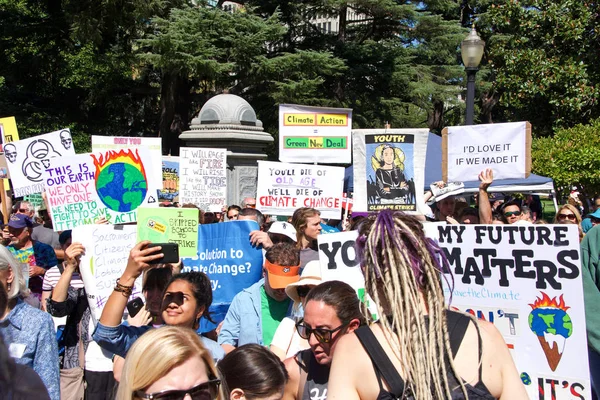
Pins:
x: 418, y: 349
x: 332, y: 310
x: 569, y: 214
x: 169, y: 363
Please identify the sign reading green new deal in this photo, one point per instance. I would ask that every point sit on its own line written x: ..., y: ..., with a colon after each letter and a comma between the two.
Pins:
x: 314, y: 134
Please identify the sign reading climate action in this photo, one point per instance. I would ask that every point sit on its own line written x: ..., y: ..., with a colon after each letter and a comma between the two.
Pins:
x: 226, y: 255
x: 505, y: 148
x: 112, y: 184
x: 527, y: 281
x: 282, y: 188
x: 203, y: 177
x: 314, y: 134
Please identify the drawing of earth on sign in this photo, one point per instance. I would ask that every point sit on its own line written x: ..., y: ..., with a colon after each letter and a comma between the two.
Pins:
x: 552, y: 325
x: 121, y: 180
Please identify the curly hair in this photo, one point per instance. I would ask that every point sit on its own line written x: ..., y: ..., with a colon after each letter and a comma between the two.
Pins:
x: 284, y: 254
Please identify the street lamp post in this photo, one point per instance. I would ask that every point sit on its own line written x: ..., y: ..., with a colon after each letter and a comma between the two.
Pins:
x: 471, y: 50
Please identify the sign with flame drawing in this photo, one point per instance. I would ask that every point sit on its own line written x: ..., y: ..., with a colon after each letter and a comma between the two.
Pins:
x: 110, y: 184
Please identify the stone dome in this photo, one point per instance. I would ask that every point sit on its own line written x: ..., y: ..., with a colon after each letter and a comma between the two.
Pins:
x: 227, y: 109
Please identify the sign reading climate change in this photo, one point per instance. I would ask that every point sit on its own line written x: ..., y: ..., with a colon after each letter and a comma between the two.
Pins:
x: 313, y: 134
x: 87, y: 187
x: 389, y: 168
x: 505, y: 148
x: 28, y: 158
x: 527, y: 281
x: 282, y: 188
x: 226, y: 255
x: 203, y: 177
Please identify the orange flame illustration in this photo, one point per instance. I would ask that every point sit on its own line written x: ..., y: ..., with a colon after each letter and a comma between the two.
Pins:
x: 546, y: 301
x: 122, y: 156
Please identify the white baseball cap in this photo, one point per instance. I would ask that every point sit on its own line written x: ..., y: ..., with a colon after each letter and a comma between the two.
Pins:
x: 283, y: 228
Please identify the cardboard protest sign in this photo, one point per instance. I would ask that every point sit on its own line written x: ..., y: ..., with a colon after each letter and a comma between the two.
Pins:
x: 227, y: 257
x: 153, y: 144
x: 170, y: 225
x: 283, y: 187
x: 28, y: 158
x: 8, y: 130
x: 505, y: 148
x: 203, y: 177
x: 389, y: 168
x: 313, y: 134
x: 527, y: 281
x: 170, y: 178
x: 112, y: 184
x: 107, y: 249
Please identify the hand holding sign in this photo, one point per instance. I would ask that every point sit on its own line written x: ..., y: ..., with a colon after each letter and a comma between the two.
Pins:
x: 73, y: 255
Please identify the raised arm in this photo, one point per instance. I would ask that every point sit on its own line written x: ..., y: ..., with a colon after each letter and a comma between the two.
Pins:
x: 72, y: 256
x: 486, y: 177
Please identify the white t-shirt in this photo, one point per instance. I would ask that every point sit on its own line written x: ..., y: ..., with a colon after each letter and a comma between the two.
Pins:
x: 52, y: 276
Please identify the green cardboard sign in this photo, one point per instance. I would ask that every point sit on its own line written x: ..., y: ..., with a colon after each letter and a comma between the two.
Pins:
x: 170, y: 225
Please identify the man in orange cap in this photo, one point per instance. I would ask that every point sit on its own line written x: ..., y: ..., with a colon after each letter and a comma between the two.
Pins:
x: 255, y: 312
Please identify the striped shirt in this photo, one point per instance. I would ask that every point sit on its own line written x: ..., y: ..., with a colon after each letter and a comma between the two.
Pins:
x: 53, y: 275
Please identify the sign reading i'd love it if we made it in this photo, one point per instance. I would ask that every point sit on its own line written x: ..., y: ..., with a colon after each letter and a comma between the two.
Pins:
x: 112, y: 184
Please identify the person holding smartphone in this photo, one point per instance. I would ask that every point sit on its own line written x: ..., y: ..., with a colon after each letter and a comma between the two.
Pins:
x: 187, y: 297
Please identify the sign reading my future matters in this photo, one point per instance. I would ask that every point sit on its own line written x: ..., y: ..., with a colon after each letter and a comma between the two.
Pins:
x: 505, y: 148
x: 527, y: 281
x: 283, y: 187
x: 313, y: 134
x: 203, y: 177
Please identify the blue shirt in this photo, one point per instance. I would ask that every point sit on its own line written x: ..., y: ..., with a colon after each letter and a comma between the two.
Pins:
x: 243, y: 322
x: 29, y: 335
x: 118, y: 339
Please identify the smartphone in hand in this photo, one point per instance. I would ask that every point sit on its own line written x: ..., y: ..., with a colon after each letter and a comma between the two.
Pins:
x: 170, y: 253
x: 134, y: 306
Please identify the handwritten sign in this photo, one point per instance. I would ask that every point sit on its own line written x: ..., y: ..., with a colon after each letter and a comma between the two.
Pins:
x: 203, y: 177
x: 106, y: 252
x: 505, y: 148
x: 153, y: 144
x: 170, y: 177
x: 112, y: 184
x: 226, y: 255
x: 527, y: 281
x: 170, y: 225
x: 28, y: 158
x: 389, y: 169
x: 284, y: 187
x: 313, y: 134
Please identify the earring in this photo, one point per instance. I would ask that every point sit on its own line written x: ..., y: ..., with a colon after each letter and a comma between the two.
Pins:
x: 8, y: 287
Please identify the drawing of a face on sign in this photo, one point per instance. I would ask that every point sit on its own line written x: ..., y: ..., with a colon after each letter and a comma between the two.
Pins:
x: 37, y: 159
x: 10, y: 151
x: 65, y: 139
x: 390, y: 172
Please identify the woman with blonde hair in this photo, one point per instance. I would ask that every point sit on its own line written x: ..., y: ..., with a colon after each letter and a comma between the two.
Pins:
x: 418, y: 349
x: 169, y: 363
x: 569, y: 214
x: 307, y: 222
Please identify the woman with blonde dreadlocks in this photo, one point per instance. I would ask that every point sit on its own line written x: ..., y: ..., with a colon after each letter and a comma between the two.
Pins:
x: 419, y: 349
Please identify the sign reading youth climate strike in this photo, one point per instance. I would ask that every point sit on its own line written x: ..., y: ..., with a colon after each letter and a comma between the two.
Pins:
x: 527, y: 281
x: 203, y: 177
x: 283, y: 187
x: 111, y: 184
x: 153, y: 144
x: 228, y: 258
x: 505, y: 148
x: 313, y: 134
x: 389, y: 168
x: 28, y: 158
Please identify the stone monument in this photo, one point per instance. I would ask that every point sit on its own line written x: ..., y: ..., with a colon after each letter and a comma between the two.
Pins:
x: 229, y: 122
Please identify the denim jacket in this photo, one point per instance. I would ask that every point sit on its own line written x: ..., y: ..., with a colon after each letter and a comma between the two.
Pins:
x: 243, y: 322
x: 118, y: 339
x: 29, y: 335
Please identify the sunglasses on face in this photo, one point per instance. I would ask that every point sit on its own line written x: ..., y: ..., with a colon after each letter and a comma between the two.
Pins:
x: 511, y: 213
x: 321, y: 334
x: 570, y: 217
x: 204, y: 391
x: 303, y: 290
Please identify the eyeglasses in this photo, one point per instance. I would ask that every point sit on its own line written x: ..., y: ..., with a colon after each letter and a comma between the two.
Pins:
x: 321, y: 334
x: 511, y: 213
x: 204, y: 391
x: 303, y: 290
x: 251, y: 205
x: 570, y: 217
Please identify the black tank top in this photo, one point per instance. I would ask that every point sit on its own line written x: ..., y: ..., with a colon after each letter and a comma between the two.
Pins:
x: 385, y: 370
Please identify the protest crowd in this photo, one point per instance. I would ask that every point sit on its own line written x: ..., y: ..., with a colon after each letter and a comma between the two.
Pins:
x: 233, y: 303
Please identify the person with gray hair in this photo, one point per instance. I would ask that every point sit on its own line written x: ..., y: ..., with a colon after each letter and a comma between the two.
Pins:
x: 27, y: 331
x: 249, y: 202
